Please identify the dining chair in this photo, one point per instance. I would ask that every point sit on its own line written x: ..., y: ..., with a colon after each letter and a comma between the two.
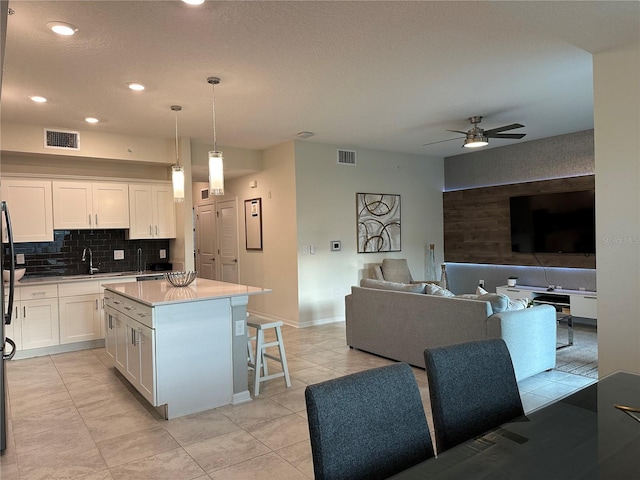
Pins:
x: 367, y: 425
x: 473, y: 389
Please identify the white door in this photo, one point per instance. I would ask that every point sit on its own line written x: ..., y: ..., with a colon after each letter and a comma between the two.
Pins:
x: 228, y: 237
x: 206, y: 239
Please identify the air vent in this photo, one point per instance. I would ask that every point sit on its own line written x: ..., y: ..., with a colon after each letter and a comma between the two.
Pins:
x: 204, y: 194
x: 346, y: 157
x: 61, y: 139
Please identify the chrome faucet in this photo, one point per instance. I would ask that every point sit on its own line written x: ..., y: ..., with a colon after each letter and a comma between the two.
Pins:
x: 92, y: 269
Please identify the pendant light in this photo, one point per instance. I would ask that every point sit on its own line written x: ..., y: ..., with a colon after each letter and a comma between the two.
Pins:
x: 177, y: 172
x: 216, y: 170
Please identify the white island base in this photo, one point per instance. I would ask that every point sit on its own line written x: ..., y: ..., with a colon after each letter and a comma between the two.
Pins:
x: 184, y: 349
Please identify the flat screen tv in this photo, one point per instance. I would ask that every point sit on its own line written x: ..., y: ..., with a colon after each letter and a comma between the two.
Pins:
x: 554, y: 223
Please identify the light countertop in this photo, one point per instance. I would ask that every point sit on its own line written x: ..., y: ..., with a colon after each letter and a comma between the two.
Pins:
x: 49, y: 279
x: 160, y: 292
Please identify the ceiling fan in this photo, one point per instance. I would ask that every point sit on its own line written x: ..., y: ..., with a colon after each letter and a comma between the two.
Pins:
x: 477, y: 137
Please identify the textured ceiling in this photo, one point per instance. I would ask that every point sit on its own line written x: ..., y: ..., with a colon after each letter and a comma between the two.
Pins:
x: 382, y: 75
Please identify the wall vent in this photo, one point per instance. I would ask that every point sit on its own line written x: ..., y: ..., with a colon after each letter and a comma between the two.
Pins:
x: 61, y: 139
x: 346, y: 157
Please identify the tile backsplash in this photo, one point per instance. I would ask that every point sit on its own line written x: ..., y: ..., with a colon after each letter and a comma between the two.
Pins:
x: 63, y: 256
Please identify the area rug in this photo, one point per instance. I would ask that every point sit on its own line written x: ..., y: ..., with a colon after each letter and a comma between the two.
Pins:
x: 582, y: 357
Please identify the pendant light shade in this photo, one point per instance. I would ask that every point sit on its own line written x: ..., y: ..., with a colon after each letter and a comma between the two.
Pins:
x: 216, y: 161
x: 177, y: 172
x: 216, y: 176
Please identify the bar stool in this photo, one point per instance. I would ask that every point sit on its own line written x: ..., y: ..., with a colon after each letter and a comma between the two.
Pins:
x: 259, y: 362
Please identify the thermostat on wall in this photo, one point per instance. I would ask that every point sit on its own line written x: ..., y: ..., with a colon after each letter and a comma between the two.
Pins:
x: 335, y: 245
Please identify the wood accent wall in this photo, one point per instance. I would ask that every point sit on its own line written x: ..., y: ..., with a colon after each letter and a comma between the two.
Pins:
x: 477, y: 224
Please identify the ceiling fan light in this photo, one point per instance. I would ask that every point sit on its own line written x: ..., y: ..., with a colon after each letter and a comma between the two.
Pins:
x: 476, y: 142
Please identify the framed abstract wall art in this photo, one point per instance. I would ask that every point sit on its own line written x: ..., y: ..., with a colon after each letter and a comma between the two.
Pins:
x: 378, y: 222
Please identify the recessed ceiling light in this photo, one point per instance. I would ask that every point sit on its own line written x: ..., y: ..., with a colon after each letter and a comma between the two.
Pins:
x: 305, y: 134
x: 138, y: 87
x: 193, y: 2
x: 62, y: 28
x: 38, y: 99
x: 91, y: 120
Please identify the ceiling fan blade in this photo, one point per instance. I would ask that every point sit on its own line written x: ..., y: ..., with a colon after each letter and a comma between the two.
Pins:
x: 441, y: 141
x: 514, y: 136
x: 504, y: 128
x: 457, y: 131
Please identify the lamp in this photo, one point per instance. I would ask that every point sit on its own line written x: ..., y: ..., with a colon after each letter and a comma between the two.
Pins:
x: 177, y: 172
x: 475, y: 141
x: 216, y: 161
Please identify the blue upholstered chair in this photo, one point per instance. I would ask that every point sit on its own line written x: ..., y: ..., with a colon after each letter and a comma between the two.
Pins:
x: 367, y: 425
x: 473, y: 389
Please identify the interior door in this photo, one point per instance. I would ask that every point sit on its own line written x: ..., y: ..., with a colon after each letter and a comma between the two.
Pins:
x: 228, y: 236
x: 206, y: 240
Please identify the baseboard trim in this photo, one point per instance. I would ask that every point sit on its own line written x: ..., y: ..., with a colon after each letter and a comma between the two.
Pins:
x: 242, y: 397
x: 55, y: 349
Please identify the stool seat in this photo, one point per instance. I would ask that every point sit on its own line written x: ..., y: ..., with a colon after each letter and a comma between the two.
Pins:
x: 258, y: 361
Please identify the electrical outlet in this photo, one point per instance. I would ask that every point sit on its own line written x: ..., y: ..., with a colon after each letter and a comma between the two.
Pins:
x: 239, y: 328
x: 20, y: 258
x: 305, y: 249
x: 163, y: 253
x: 312, y: 249
x: 481, y: 283
x: 118, y: 254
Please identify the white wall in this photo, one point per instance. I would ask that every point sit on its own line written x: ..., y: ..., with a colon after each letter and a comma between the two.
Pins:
x: 617, y: 152
x: 326, y: 211
x: 274, y: 267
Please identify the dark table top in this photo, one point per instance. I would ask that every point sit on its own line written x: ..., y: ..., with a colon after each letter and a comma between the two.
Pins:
x: 578, y: 437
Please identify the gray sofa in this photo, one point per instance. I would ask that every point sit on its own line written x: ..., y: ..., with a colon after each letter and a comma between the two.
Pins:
x: 400, y: 325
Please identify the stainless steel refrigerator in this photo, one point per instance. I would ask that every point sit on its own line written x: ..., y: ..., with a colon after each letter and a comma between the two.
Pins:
x: 7, y: 347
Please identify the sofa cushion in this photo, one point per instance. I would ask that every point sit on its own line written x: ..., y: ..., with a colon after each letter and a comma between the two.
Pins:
x: 396, y: 270
x: 400, y: 287
x: 499, y: 302
x: 433, y: 289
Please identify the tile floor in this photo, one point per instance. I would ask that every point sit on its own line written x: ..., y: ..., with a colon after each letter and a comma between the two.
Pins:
x: 72, y: 417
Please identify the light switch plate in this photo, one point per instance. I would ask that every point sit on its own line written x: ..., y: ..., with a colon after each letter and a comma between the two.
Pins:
x: 118, y: 254
x: 20, y: 258
x: 163, y: 253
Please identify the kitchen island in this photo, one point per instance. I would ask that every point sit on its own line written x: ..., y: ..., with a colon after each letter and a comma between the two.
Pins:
x: 184, y: 349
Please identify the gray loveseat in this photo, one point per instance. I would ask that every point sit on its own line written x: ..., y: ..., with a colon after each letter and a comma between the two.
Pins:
x: 400, y: 325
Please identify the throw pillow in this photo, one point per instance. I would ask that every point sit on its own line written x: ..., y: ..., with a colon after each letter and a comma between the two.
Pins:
x: 518, y: 304
x: 400, y: 287
x: 396, y: 270
x: 499, y: 302
x: 433, y: 289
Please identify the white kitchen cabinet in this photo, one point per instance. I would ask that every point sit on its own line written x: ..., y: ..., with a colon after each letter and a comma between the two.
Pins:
x: 151, y: 211
x: 31, y: 206
x: 39, y: 320
x: 132, y: 343
x: 80, y: 311
x: 14, y: 330
x: 85, y: 205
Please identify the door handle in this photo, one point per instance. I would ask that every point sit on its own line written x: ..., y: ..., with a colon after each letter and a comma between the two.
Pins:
x: 235, y: 260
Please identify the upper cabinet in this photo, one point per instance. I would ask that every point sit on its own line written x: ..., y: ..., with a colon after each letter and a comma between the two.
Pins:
x: 86, y: 205
x: 151, y: 211
x: 31, y: 210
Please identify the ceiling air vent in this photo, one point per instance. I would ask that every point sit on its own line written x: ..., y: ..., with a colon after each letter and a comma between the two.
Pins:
x: 346, y: 157
x: 61, y: 139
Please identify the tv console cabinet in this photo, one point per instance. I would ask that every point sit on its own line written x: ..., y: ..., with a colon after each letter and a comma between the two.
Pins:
x: 568, y: 303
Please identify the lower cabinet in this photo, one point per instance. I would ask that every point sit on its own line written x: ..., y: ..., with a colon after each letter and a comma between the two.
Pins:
x: 132, y: 345
x: 39, y: 320
x: 79, y: 318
